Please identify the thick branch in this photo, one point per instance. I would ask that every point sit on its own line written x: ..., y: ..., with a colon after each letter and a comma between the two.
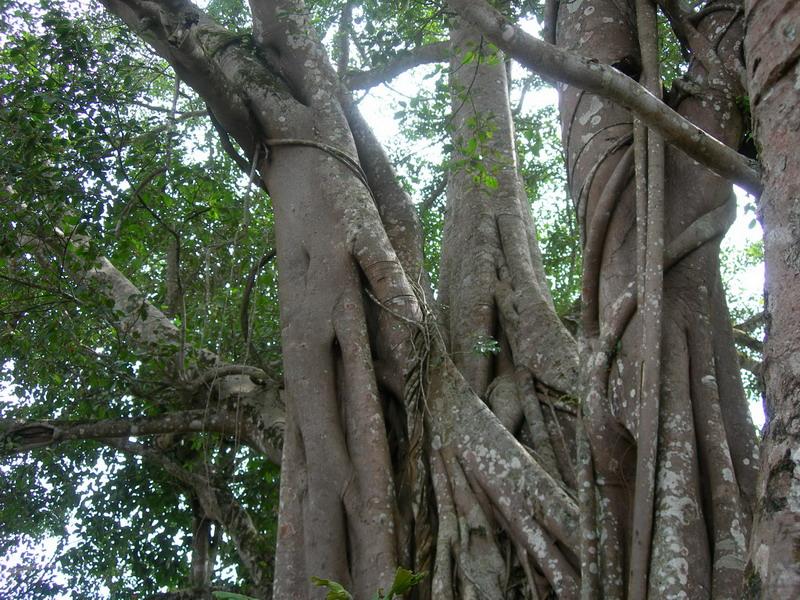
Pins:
x: 210, y: 376
x: 143, y: 324
x: 133, y: 315
x: 744, y: 339
x: 606, y: 81
x: 242, y: 90
x: 22, y: 436
x: 751, y: 323
x: 398, y: 64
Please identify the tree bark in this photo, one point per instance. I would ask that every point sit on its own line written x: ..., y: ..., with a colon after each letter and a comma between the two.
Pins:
x: 582, y: 70
x: 703, y: 427
x: 772, y: 47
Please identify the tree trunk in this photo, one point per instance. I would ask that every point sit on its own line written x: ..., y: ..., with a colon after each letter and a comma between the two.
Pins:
x: 498, y: 316
x: 772, y: 49
x: 702, y: 459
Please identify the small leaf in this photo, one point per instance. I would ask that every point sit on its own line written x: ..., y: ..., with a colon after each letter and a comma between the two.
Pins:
x: 231, y: 596
x: 490, y: 182
x: 404, y: 580
x: 335, y: 590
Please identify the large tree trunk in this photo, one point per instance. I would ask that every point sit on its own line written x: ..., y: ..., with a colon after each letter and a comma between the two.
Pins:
x: 498, y: 316
x: 772, y: 48
x: 685, y: 430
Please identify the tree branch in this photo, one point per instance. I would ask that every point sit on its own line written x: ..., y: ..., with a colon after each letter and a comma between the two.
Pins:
x: 138, y: 320
x: 742, y: 338
x: 245, y: 94
x: 606, y: 81
x: 754, y: 366
x: 210, y: 376
x: 398, y: 64
x: 751, y: 323
x: 22, y: 436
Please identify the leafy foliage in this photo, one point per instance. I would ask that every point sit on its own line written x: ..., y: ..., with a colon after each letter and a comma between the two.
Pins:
x: 92, y: 146
x: 404, y: 581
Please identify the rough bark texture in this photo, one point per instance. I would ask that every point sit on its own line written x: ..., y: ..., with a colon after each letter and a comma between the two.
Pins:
x: 498, y: 317
x: 772, y: 48
x: 705, y: 464
x: 581, y: 70
x: 492, y: 281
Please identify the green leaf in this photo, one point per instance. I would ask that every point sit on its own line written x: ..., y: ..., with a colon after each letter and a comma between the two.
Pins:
x: 335, y: 590
x: 404, y: 580
x: 472, y: 147
x: 231, y: 596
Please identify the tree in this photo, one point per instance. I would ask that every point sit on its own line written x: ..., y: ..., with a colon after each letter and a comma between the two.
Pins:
x: 769, y: 46
x: 450, y: 424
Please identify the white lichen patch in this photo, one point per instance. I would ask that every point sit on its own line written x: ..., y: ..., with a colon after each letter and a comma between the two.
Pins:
x: 574, y: 6
x: 737, y: 535
x: 727, y: 475
x: 595, y: 106
x: 761, y: 559
x: 793, y: 498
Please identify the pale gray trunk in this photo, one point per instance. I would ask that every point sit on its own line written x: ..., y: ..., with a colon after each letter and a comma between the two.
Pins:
x: 772, y: 49
x: 703, y: 459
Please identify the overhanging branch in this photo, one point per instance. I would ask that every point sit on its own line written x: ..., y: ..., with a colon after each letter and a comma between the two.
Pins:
x: 22, y: 436
x: 604, y: 80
